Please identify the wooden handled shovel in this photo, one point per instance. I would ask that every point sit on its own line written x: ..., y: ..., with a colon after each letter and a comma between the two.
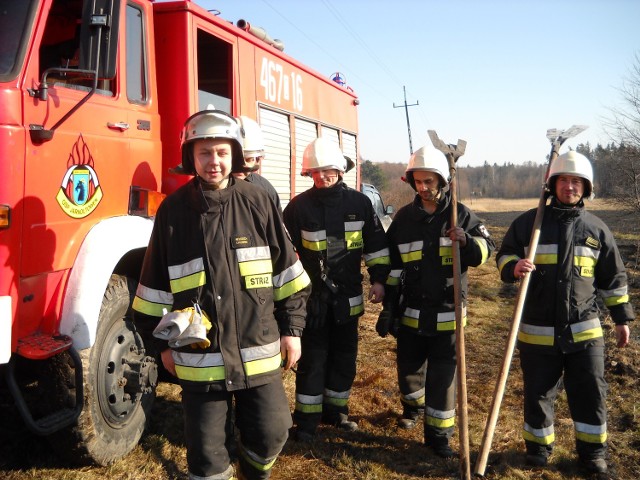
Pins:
x: 557, y: 138
x: 453, y: 152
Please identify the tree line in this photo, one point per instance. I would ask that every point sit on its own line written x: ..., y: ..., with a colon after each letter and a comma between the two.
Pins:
x: 616, y: 170
x: 616, y: 166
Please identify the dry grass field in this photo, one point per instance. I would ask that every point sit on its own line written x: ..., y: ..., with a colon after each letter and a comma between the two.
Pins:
x: 379, y: 450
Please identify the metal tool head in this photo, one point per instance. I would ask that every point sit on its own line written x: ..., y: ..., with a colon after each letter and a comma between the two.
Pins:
x: 558, y: 137
x: 454, y: 150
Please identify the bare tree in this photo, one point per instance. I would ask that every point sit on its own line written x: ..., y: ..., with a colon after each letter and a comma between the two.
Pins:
x: 624, y: 128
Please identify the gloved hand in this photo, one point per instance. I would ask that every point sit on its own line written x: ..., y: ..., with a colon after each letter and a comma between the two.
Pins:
x: 387, y: 323
x: 184, y: 327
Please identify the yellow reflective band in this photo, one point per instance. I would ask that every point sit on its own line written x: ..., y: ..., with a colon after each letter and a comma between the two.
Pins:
x: 447, y: 260
x: 409, y: 322
x: 357, y: 310
x: 411, y: 256
x: 258, y: 281
x: 255, y: 267
x: 381, y: 257
x: 263, y: 467
x: 306, y: 408
x: 338, y: 402
x: 354, y: 240
x: 445, y: 251
x: 414, y: 402
x: 587, y: 334
x: 504, y: 259
x: 149, y: 308
x: 584, y: 261
x: 194, y: 374
x: 611, y: 301
x: 450, y: 325
x: 264, y: 365
x: 592, y: 437
x: 291, y: 287
x: 440, y: 422
x: 484, y: 249
x: 535, y: 339
x: 546, y: 259
x: 189, y: 282
x: 315, y: 246
x: 378, y: 261
x: 546, y: 440
x: 393, y: 281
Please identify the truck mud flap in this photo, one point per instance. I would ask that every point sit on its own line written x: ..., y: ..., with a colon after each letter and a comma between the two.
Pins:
x: 54, y: 421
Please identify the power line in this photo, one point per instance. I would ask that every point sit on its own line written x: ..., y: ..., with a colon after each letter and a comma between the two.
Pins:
x: 406, y: 111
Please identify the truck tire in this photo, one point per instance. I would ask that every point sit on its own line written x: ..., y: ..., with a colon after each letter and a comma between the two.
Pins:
x: 119, y: 385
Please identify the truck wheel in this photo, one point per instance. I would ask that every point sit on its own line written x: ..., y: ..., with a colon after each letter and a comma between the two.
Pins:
x: 119, y: 385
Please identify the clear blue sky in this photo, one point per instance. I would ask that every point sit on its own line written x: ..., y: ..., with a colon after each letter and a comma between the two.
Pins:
x: 496, y: 73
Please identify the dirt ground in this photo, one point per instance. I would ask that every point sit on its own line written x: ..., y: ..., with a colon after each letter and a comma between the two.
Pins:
x: 380, y: 450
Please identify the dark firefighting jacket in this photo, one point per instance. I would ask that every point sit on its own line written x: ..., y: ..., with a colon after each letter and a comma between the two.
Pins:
x: 228, y: 250
x: 576, y: 257
x: 262, y: 182
x: 332, y: 228
x: 420, y: 288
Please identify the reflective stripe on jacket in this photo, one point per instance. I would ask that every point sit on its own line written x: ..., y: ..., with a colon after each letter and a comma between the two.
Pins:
x: 576, y: 257
x: 228, y: 250
x: 422, y: 265
x: 333, y: 229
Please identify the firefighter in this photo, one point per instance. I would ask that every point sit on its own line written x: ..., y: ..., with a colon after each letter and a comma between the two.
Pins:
x: 560, y: 338
x: 419, y: 306
x: 332, y: 227
x: 253, y: 148
x: 219, y: 251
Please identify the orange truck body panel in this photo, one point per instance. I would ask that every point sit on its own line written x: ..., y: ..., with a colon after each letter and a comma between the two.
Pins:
x: 62, y: 191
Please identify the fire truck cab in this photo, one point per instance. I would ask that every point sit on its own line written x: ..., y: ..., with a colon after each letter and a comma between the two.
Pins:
x: 94, y: 94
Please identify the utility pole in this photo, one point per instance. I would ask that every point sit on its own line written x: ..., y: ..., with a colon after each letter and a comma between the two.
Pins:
x: 406, y: 111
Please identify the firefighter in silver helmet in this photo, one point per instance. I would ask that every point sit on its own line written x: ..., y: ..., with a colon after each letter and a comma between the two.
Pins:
x: 253, y: 148
x: 419, y: 307
x: 332, y: 227
x: 560, y: 333
x: 219, y: 260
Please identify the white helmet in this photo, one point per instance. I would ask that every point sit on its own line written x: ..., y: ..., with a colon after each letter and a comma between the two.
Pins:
x: 210, y: 124
x: 323, y: 154
x: 427, y: 159
x: 253, y: 143
x: 575, y: 164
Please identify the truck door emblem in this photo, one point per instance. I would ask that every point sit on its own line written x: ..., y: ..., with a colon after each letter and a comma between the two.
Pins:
x: 80, y: 191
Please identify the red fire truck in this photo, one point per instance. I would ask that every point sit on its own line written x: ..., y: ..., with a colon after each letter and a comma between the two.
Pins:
x: 94, y: 94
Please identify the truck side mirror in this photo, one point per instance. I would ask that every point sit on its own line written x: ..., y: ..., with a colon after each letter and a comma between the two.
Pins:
x: 99, y: 37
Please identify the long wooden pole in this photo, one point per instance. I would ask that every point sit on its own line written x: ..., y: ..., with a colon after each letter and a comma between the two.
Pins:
x: 452, y: 153
x: 557, y: 139
x: 463, y: 412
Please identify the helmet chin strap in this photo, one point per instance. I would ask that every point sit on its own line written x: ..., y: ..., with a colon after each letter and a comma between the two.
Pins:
x: 438, y: 197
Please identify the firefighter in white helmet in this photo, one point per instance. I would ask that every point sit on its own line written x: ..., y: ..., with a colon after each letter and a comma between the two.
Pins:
x: 332, y: 227
x: 560, y: 335
x: 218, y: 247
x: 253, y: 147
x: 419, y: 307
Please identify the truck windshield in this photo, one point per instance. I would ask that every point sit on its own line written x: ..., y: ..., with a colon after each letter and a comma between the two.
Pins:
x: 14, y: 32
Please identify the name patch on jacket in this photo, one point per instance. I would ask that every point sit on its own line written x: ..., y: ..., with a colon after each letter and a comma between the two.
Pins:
x: 258, y: 281
x: 241, y: 241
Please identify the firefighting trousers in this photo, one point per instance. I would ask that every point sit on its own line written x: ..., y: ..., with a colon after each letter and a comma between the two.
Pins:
x: 325, y: 374
x: 582, y: 374
x: 426, y: 375
x: 262, y: 416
